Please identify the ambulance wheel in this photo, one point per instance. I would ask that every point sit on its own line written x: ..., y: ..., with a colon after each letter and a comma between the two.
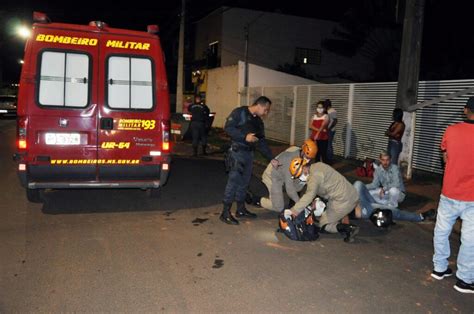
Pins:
x: 154, y: 192
x: 34, y: 195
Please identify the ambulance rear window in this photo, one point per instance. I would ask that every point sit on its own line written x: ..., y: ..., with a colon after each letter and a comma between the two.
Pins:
x: 64, y: 79
x: 129, y: 83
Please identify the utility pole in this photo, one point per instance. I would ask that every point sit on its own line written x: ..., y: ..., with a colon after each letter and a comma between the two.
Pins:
x: 246, y: 68
x: 179, y: 81
x: 409, y: 70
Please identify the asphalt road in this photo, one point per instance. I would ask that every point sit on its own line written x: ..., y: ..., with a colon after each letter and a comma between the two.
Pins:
x: 121, y: 251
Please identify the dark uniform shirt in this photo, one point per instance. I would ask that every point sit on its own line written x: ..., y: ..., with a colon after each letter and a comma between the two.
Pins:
x: 200, y: 112
x: 240, y: 123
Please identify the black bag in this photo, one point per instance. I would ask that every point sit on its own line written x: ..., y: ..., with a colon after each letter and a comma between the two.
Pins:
x: 300, y: 228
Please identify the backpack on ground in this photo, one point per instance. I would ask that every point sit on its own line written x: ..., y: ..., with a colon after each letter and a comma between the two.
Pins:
x: 299, y: 228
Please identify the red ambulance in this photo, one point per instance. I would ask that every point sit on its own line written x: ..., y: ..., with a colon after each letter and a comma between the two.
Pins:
x: 93, y: 109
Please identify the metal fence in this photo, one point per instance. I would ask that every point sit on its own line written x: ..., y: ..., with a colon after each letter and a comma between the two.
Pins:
x: 364, y: 112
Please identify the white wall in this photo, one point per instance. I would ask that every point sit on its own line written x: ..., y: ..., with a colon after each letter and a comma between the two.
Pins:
x: 261, y: 76
x: 222, y: 92
x: 224, y: 84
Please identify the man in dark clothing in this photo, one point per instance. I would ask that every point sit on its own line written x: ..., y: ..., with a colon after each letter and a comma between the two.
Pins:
x: 199, y: 121
x: 246, y: 130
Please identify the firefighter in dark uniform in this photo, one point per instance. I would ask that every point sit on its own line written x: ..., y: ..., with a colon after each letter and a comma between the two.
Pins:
x: 246, y: 130
x: 199, y: 122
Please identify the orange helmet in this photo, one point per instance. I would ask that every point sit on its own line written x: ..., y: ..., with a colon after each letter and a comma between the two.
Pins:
x: 296, y: 166
x: 309, y: 148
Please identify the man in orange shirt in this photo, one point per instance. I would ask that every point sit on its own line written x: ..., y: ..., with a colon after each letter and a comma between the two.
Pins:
x: 457, y: 201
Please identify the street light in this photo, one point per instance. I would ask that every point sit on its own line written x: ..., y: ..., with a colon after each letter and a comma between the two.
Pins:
x: 24, y: 32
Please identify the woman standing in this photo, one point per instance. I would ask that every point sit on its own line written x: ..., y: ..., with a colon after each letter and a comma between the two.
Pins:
x: 319, y: 126
x: 395, y: 134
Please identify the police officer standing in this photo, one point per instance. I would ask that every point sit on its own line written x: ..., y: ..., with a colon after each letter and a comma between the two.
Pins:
x: 199, y: 121
x: 246, y: 130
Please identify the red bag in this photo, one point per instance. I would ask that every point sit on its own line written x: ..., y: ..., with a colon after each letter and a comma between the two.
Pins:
x: 367, y: 168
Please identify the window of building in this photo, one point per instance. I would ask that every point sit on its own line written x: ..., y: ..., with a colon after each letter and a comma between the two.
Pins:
x: 308, y: 56
x: 213, y: 55
x: 129, y: 83
x: 64, y: 79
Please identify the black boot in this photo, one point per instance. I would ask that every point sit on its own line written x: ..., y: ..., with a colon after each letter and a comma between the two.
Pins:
x: 204, y: 152
x: 348, y: 231
x: 195, y: 151
x: 226, y: 216
x: 252, y: 199
x: 256, y: 201
x: 243, y: 212
x: 248, y: 197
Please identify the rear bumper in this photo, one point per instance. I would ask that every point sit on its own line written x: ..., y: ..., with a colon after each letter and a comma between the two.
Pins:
x: 95, y: 185
x: 79, y: 177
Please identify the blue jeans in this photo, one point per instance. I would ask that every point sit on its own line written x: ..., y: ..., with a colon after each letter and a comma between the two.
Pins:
x: 330, y: 153
x: 368, y: 203
x: 239, y: 177
x: 448, y: 211
x: 394, y: 148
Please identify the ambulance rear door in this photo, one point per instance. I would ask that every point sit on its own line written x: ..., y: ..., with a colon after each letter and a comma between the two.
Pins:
x: 129, y: 134
x: 61, y: 117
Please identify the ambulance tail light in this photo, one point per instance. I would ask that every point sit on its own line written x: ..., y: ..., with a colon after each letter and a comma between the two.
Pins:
x: 22, y: 127
x: 165, y: 129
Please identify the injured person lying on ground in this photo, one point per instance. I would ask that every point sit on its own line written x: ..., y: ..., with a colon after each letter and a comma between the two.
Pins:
x: 368, y: 206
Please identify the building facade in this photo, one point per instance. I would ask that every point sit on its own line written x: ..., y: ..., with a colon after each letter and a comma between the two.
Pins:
x: 275, y: 41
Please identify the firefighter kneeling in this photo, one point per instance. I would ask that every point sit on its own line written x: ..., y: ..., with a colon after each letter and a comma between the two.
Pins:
x: 341, y: 196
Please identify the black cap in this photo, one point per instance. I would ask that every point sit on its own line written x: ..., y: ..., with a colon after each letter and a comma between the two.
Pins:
x: 470, y: 104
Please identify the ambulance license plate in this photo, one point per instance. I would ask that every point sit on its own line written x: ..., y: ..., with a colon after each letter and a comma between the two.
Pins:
x: 63, y: 139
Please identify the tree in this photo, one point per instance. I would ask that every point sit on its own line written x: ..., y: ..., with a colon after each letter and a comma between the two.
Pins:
x: 370, y: 29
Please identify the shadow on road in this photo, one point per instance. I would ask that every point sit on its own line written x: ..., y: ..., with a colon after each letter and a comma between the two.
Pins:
x: 193, y: 183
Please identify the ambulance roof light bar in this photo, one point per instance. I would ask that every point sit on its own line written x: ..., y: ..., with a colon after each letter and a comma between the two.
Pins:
x: 99, y: 24
x: 40, y: 17
x: 153, y: 29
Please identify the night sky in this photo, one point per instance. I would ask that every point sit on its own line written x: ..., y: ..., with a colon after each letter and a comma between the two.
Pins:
x: 447, y: 33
